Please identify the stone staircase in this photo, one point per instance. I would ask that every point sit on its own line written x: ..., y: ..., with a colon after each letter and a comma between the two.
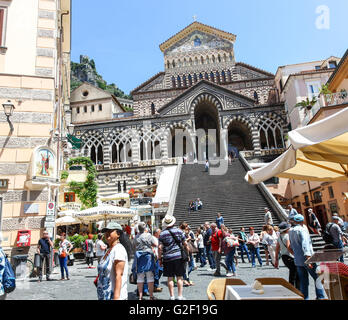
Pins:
x: 240, y: 203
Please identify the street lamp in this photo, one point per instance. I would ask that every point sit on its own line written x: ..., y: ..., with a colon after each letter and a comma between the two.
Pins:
x: 8, y: 109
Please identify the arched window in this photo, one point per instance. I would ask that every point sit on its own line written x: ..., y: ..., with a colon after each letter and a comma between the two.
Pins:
x: 168, y: 64
x: 202, y: 60
x: 207, y: 59
x: 223, y: 75
x: 94, y: 142
x: 121, y: 147
x: 179, y: 81
x: 150, y: 145
x: 218, y: 80
x: 124, y: 186
x: 211, y: 76
x: 184, y: 81
x: 200, y: 76
x: 119, y: 186
x: 229, y: 75
x: 173, y: 64
x: 206, y: 77
x: 190, y: 62
x: 153, y: 109
x: 213, y: 59
x: 195, y: 78
x: 196, y: 61
x: 219, y: 58
x: 190, y: 80
x: 173, y: 82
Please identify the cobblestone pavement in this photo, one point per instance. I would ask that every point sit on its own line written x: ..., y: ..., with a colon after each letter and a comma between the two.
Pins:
x: 81, y: 287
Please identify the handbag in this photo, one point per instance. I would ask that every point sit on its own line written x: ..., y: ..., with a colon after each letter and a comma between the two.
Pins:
x: 192, y: 247
x: 96, y: 281
x: 184, y: 254
x: 133, y: 278
x: 63, y: 254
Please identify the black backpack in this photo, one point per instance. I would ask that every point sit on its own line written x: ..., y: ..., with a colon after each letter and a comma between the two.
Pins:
x: 327, y: 237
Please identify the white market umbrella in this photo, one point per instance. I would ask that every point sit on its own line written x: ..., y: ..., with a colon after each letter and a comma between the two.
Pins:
x: 318, y: 152
x: 66, y: 220
x: 104, y: 212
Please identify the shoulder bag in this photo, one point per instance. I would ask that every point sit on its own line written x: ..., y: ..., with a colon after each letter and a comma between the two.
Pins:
x: 184, y: 253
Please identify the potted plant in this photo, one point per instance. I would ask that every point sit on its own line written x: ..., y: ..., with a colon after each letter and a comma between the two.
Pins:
x: 307, y: 104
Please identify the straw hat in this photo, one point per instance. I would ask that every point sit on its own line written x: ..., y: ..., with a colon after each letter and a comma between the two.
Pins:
x: 168, y: 221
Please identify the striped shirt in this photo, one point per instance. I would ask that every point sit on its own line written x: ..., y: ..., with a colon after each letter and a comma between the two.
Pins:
x: 171, y: 249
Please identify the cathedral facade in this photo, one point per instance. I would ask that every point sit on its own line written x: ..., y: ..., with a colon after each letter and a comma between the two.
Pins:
x: 204, y: 105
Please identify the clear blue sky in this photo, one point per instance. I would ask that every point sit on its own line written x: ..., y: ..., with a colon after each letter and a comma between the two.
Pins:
x: 123, y: 36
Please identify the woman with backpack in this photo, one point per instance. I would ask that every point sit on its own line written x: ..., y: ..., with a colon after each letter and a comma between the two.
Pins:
x: 89, y: 251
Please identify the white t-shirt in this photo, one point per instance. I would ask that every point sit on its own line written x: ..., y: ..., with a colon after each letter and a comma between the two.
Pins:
x: 155, y: 241
x: 99, y: 251
x: 107, y: 275
x: 200, y: 241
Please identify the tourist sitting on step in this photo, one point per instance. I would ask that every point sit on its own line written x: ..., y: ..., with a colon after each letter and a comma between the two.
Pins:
x: 198, y: 204
x: 192, y: 206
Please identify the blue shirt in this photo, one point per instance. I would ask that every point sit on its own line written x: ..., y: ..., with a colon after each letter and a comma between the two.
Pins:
x: 171, y: 249
x: 219, y: 222
x: 301, y: 244
x: 44, y: 246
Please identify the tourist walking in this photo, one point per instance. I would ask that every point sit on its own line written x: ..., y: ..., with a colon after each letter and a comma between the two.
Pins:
x: 172, y: 240
x: 100, y: 247
x: 336, y: 233
x: 144, y: 260
x: 189, y: 266
x: 216, y: 247
x: 89, y: 251
x: 229, y: 248
x: 206, y: 166
x: 314, y: 224
x: 292, y: 212
x: 254, y: 245
x: 270, y: 238
x: 158, y: 268
x: 302, y: 249
x: 44, y: 248
x: 113, y: 267
x: 283, y: 247
x: 65, y: 247
x: 243, y: 239
x: 264, y: 243
x: 207, y: 245
x: 219, y: 220
x: 200, y: 245
x: 268, y: 217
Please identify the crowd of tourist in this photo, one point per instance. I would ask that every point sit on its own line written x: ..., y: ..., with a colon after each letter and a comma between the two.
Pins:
x: 175, y: 252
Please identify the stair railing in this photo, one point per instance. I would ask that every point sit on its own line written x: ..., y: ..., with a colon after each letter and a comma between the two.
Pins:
x: 272, y: 201
x: 174, y: 190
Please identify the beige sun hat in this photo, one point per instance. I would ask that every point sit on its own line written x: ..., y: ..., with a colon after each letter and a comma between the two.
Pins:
x: 168, y: 221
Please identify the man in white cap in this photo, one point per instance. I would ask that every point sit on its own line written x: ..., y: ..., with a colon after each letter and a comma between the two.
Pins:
x: 336, y: 234
x: 302, y: 249
x: 169, y: 254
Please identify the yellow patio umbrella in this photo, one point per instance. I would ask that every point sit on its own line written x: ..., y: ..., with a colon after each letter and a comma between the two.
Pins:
x: 318, y: 152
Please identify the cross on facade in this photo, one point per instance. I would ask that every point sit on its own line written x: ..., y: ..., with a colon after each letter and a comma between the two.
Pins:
x: 195, y: 18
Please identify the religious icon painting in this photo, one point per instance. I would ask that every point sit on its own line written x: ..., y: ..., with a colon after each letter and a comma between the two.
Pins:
x: 45, y: 163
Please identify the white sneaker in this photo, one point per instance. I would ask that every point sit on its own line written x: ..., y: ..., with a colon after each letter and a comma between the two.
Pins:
x: 172, y: 298
x: 229, y: 274
x: 181, y: 298
x: 210, y: 269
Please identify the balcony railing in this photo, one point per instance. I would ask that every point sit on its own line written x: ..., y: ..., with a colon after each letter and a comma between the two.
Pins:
x: 141, y: 163
x: 336, y: 98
